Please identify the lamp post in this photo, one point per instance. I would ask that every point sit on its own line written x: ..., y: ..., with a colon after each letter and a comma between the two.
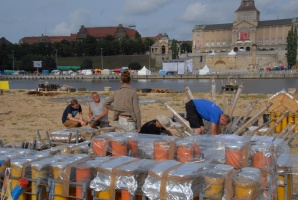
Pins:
x: 149, y: 57
x: 12, y: 51
x: 101, y: 59
x: 56, y: 59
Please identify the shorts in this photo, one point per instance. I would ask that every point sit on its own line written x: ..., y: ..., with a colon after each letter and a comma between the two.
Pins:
x: 126, y: 125
x: 192, y: 115
x: 101, y: 124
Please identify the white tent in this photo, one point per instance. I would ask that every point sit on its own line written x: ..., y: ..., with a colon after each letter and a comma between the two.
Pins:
x: 205, y: 70
x: 144, y: 71
x: 232, y: 53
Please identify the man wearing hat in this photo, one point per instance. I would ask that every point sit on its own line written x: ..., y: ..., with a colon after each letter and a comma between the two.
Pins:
x: 158, y: 126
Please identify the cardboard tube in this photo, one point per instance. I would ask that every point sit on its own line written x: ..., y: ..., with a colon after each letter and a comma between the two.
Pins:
x: 125, y: 195
x: 262, y: 159
x: 16, y: 172
x: 58, y: 188
x: 83, y: 174
x: 245, y: 188
x: 240, y: 88
x: 214, y: 186
x: 119, y: 146
x: 234, y: 155
x: 36, y: 175
x: 132, y: 146
x: 188, y: 93
x: 185, y: 152
x: 99, y: 146
x: 278, y: 127
x: 104, y: 195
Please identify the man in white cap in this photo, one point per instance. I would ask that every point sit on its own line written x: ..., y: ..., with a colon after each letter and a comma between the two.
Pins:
x: 158, y: 126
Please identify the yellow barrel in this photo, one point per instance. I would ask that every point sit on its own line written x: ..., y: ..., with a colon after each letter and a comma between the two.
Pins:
x: 38, y: 173
x: 272, y: 117
x: 296, y: 121
x: 278, y: 127
x: 58, y: 186
x: 281, y: 187
x: 214, y: 186
x: 16, y: 172
x: 291, y: 117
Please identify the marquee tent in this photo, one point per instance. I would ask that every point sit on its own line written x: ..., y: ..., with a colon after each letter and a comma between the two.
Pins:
x: 144, y: 71
x: 205, y: 70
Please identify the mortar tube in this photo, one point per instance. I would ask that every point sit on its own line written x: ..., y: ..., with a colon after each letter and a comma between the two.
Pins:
x: 285, y: 137
x: 258, y: 114
x: 284, y: 131
x: 224, y: 101
x: 239, y: 91
x: 292, y: 137
x: 181, y: 120
x: 277, y: 122
x: 188, y: 93
x: 262, y: 126
x: 213, y: 90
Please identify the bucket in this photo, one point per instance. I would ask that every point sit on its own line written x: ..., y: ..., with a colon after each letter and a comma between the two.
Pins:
x: 161, y: 150
x: 184, y: 151
x: 245, y: 188
x: 119, y: 146
x: 234, y: 155
x: 99, y: 146
x: 262, y: 157
x: 214, y: 186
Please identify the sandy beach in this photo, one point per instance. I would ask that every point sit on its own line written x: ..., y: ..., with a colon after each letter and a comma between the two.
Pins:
x: 22, y: 115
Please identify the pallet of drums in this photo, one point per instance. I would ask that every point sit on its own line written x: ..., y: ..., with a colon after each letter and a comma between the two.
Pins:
x: 141, y: 166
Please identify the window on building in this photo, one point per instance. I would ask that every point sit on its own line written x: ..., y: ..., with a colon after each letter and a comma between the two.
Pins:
x: 224, y: 43
x: 218, y: 43
x: 207, y: 43
x: 279, y: 40
x: 260, y: 41
x: 273, y: 40
x: 266, y: 41
x: 212, y: 43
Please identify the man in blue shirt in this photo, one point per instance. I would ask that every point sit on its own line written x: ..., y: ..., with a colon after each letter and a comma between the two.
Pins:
x: 199, y: 109
x: 68, y: 118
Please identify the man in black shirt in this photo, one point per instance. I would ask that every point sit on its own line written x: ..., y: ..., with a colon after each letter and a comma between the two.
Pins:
x: 157, y: 126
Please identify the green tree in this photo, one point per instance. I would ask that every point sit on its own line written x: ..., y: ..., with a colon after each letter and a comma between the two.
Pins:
x: 292, y: 46
x: 87, y: 64
x: 175, y: 49
x: 185, y: 48
x: 49, y: 63
x: 134, y: 66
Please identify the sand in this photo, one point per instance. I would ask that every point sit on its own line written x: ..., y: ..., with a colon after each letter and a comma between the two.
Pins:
x: 22, y: 115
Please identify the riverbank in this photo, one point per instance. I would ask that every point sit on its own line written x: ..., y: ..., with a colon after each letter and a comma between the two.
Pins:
x: 285, y: 74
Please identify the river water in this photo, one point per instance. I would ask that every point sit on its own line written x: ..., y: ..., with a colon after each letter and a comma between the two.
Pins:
x: 267, y: 86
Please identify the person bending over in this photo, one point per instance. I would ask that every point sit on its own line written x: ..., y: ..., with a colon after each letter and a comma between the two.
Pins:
x: 98, y: 114
x: 199, y: 109
x: 69, y: 115
x: 157, y: 126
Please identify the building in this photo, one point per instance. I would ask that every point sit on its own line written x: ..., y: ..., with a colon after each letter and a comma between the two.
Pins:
x: 258, y: 44
x: 247, y: 29
x: 98, y: 32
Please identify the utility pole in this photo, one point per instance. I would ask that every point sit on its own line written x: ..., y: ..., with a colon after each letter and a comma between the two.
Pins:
x: 12, y: 51
x: 101, y: 59
x: 56, y: 59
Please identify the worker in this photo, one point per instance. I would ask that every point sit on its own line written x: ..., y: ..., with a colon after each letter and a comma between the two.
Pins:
x: 159, y: 126
x: 199, y: 109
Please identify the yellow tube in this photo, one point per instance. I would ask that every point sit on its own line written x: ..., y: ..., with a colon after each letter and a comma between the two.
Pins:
x: 284, y: 123
x: 58, y: 186
x: 37, y: 175
x: 104, y: 194
x: 278, y: 127
x: 272, y: 117
x: 16, y: 172
x: 296, y: 121
x: 214, y: 186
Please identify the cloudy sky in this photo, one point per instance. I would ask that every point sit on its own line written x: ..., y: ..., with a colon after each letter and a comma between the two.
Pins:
x: 22, y: 18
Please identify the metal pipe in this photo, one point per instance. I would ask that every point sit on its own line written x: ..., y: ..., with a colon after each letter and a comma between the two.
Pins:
x: 285, y: 130
x: 224, y: 101
x: 239, y: 91
x: 38, y: 135
x: 213, y: 90
x: 285, y: 138
x: 277, y: 122
x: 253, y: 118
x: 48, y: 138
x: 291, y: 139
x: 180, y: 119
x: 188, y: 93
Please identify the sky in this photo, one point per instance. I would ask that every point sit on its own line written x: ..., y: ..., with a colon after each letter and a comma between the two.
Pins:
x: 24, y: 18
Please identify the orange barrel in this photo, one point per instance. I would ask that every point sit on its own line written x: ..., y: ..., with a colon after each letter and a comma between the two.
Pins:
x: 262, y: 157
x: 83, y: 175
x: 234, y: 154
x: 296, y: 121
x: 184, y: 151
x: 125, y: 195
x: 214, y: 184
x: 99, y: 146
x: 245, y: 188
x: 272, y: 117
x: 119, y: 146
x: 132, y: 146
x: 16, y: 173
x: 284, y: 123
x: 161, y: 150
x: 196, y: 150
x: 278, y: 127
